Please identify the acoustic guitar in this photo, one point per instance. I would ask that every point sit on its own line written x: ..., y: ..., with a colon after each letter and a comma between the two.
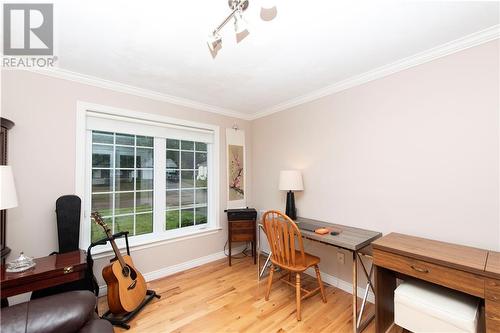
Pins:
x: 126, y: 286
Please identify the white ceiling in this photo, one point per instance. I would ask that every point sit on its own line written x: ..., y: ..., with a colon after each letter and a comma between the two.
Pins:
x: 161, y: 45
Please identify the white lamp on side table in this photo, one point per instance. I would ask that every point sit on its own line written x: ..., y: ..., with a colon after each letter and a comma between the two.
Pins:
x: 8, y: 197
x: 8, y: 194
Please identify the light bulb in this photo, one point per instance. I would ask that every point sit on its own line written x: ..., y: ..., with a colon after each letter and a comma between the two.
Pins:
x: 240, y: 24
x: 213, y: 41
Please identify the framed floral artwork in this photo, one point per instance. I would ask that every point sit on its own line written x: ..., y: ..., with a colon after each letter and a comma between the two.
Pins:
x: 236, y: 173
x: 236, y: 168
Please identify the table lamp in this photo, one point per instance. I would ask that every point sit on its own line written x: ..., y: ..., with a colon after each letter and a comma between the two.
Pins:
x: 291, y: 180
x: 8, y: 195
x: 8, y: 199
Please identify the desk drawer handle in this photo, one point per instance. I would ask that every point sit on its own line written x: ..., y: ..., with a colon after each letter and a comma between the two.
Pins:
x: 68, y: 269
x: 418, y: 269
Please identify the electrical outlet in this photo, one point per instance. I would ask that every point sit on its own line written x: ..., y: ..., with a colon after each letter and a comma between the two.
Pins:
x: 341, y: 258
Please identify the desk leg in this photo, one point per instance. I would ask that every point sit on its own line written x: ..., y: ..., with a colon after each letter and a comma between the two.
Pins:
x: 354, y: 291
x: 258, y: 249
x: 255, y: 252
x: 385, y: 284
x: 361, y: 325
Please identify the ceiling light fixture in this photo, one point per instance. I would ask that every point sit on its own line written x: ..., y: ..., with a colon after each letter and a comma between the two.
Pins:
x: 214, y: 41
x: 240, y: 25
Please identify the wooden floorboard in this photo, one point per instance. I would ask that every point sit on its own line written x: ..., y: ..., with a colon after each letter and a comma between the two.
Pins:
x: 218, y: 298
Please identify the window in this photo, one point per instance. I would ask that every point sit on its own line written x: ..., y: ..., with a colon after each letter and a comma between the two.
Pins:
x: 187, y: 172
x: 149, y: 175
x: 122, y: 182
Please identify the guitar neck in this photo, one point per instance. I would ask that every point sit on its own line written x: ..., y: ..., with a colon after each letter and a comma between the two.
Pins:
x: 96, y: 217
x: 116, y: 250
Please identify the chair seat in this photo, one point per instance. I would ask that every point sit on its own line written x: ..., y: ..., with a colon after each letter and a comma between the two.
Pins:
x: 299, y: 266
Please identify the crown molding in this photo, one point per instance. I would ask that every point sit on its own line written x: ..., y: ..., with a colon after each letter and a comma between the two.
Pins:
x: 443, y: 50
x: 141, y: 92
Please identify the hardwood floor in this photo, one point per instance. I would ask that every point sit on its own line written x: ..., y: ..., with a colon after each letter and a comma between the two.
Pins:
x: 218, y: 298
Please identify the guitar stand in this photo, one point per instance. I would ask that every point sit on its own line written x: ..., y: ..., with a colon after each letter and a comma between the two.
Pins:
x: 122, y: 319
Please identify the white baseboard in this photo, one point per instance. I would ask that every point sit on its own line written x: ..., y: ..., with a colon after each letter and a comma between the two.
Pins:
x: 341, y: 284
x: 170, y: 270
x: 164, y: 272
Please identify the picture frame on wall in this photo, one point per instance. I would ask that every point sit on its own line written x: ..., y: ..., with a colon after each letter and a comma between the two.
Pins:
x: 236, y: 168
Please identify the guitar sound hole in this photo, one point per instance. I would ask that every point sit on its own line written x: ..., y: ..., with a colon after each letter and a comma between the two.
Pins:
x: 126, y: 271
x: 133, y: 274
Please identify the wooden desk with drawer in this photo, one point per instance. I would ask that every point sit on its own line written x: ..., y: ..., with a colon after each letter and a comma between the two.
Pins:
x: 470, y: 270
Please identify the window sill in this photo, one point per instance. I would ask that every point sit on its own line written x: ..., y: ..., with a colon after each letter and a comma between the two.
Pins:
x: 152, y: 240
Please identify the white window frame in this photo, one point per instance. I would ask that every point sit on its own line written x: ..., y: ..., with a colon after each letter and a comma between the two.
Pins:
x: 159, y: 236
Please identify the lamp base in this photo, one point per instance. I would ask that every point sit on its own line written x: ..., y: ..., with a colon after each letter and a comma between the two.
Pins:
x: 291, y: 211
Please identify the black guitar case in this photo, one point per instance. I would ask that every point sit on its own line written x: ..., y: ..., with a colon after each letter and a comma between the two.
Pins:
x: 68, y: 209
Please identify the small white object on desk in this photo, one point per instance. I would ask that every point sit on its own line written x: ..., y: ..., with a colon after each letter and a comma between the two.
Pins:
x: 424, y: 307
x: 21, y: 264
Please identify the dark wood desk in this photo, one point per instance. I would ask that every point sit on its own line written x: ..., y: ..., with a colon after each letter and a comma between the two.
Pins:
x: 49, y: 271
x: 457, y: 267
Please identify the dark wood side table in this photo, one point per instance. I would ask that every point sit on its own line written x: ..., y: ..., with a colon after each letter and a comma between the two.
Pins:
x: 49, y: 271
x: 242, y: 227
x: 243, y: 231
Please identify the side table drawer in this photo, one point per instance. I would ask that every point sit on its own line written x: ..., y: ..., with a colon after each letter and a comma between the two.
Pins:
x: 242, y: 225
x: 442, y: 275
x: 241, y: 237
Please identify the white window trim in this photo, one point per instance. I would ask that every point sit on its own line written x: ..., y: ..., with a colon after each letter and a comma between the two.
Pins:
x: 82, y: 181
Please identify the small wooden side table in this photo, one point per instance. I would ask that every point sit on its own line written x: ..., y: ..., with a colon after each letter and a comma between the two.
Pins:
x: 49, y: 271
x: 243, y: 231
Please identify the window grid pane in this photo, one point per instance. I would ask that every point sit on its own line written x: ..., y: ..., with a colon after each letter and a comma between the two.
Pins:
x: 186, y: 175
x: 125, y: 197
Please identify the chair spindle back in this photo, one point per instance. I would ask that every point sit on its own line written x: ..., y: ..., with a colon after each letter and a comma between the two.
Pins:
x: 284, y: 238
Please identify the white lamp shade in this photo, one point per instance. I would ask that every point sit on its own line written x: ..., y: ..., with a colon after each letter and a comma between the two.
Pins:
x: 291, y: 180
x: 8, y: 195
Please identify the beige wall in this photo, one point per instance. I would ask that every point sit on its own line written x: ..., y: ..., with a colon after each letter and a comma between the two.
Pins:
x: 416, y: 152
x: 42, y: 154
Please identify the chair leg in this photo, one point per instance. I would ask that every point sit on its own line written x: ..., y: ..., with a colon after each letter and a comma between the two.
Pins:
x: 321, y: 288
x: 297, y: 295
x: 269, y: 282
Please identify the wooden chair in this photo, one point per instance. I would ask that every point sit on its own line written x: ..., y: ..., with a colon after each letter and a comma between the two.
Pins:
x: 285, y: 241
